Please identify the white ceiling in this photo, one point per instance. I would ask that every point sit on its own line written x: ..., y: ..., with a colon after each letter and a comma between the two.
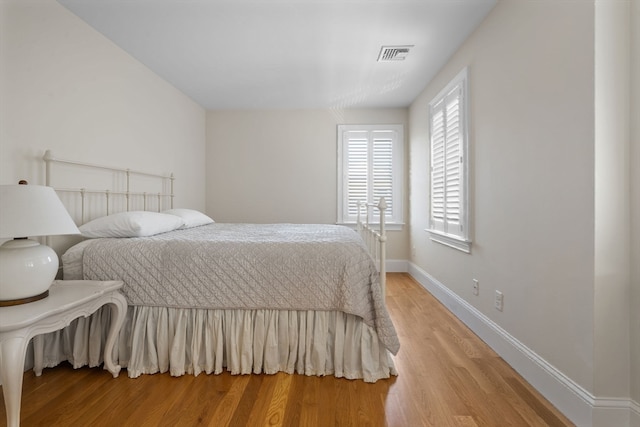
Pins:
x: 288, y: 54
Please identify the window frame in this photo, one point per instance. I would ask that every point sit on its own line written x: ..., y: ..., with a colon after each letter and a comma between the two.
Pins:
x: 458, y: 239
x: 395, y: 216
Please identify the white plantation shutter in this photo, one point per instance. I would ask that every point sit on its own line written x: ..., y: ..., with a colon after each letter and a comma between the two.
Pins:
x: 453, y: 157
x: 382, y: 168
x: 437, y: 169
x: 370, y: 167
x: 358, y: 170
x: 449, y: 208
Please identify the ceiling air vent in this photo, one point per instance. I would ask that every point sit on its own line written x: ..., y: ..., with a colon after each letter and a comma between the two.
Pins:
x: 393, y: 53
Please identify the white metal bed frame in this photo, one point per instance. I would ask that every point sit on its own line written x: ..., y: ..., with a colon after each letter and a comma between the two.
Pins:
x: 374, y: 363
x: 375, y: 240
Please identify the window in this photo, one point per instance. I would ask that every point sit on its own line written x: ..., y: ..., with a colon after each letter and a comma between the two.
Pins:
x: 449, y: 210
x: 370, y: 166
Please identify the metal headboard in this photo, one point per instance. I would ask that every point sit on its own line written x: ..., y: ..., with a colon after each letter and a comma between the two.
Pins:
x: 127, y: 192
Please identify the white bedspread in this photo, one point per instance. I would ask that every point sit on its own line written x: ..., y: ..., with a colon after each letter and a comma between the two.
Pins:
x: 246, y: 266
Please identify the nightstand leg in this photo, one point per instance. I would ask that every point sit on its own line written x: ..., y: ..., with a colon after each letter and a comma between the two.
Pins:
x: 118, y: 313
x: 12, y: 353
x: 38, y: 352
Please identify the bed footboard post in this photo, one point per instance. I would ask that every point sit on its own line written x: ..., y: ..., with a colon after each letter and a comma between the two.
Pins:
x: 382, y: 206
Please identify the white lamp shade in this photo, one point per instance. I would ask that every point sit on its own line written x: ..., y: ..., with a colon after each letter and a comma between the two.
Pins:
x: 33, y: 210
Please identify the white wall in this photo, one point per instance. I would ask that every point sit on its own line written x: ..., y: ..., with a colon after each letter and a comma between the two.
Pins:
x: 281, y: 166
x: 554, y: 177
x: 531, y: 138
x: 635, y: 202
x: 612, y: 199
x: 65, y: 87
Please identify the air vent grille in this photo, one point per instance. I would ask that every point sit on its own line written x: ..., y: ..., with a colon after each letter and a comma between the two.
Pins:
x: 393, y: 53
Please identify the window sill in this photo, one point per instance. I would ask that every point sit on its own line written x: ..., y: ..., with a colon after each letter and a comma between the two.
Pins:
x: 454, y: 242
x: 395, y: 226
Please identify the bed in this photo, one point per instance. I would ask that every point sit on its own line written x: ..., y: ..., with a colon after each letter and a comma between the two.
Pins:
x: 205, y: 297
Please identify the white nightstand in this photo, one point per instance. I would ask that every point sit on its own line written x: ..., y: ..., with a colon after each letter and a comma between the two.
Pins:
x: 67, y: 300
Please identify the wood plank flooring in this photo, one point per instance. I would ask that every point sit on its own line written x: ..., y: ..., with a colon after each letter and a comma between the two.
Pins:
x: 447, y: 377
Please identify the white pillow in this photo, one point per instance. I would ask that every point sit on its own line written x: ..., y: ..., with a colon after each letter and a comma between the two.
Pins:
x: 191, y: 218
x: 131, y: 224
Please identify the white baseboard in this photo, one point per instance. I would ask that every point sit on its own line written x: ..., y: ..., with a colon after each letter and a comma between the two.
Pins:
x: 576, y: 403
x: 635, y: 414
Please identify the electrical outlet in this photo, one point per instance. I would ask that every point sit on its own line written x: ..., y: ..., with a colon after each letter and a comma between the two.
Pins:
x: 499, y: 301
x: 476, y: 287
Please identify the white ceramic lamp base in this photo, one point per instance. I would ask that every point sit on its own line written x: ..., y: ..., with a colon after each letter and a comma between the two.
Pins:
x: 27, y: 269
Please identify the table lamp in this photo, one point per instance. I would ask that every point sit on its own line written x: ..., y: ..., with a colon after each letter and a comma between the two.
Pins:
x: 27, y: 268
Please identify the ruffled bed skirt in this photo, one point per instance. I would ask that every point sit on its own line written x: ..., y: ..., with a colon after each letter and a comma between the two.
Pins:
x: 192, y: 341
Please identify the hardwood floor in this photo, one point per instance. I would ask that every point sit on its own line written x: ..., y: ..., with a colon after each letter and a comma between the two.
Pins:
x: 447, y: 377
